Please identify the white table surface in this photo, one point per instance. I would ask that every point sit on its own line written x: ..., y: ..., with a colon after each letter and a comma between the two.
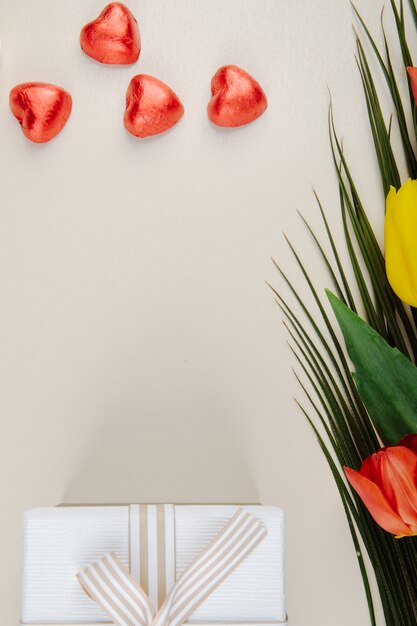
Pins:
x: 141, y: 355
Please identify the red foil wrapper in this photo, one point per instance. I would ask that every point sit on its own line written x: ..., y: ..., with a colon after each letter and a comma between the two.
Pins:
x: 238, y: 98
x: 41, y: 109
x: 151, y: 107
x: 113, y: 37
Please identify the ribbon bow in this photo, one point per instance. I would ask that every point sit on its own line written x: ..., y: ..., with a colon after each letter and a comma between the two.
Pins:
x: 120, y: 596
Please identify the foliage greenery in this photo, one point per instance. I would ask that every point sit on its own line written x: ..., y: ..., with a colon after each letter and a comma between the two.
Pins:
x: 336, y: 411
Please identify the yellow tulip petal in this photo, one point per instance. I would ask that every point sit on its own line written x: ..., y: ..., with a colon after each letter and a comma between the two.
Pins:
x: 401, y: 241
x: 392, y: 194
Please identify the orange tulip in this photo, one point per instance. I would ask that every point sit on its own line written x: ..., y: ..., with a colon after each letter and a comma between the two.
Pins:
x: 387, y: 485
x: 412, y: 72
x: 409, y: 441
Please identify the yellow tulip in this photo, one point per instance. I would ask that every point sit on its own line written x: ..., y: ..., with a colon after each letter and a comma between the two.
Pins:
x: 401, y: 241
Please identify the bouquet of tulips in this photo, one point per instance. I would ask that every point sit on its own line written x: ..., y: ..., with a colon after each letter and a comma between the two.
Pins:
x: 366, y: 420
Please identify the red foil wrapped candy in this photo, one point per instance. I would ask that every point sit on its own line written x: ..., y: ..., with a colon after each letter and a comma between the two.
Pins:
x: 113, y: 37
x: 238, y: 98
x: 151, y: 106
x: 41, y: 109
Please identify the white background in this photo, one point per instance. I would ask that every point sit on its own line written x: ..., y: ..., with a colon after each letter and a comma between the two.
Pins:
x: 142, y: 357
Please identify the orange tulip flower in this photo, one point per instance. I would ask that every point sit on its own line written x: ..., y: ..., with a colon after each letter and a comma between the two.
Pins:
x: 412, y: 72
x: 387, y: 485
x: 409, y: 441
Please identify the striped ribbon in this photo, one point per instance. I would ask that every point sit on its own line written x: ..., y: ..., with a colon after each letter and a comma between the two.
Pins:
x: 152, y: 548
x: 122, y: 598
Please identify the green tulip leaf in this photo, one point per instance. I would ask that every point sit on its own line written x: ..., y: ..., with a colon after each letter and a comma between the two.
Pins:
x: 385, y: 378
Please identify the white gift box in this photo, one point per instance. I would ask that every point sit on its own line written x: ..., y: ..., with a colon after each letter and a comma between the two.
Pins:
x: 156, y: 544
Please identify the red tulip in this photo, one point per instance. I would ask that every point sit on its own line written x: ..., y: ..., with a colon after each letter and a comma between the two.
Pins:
x: 387, y: 485
x: 409, y: 441
x: 412, y: 72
